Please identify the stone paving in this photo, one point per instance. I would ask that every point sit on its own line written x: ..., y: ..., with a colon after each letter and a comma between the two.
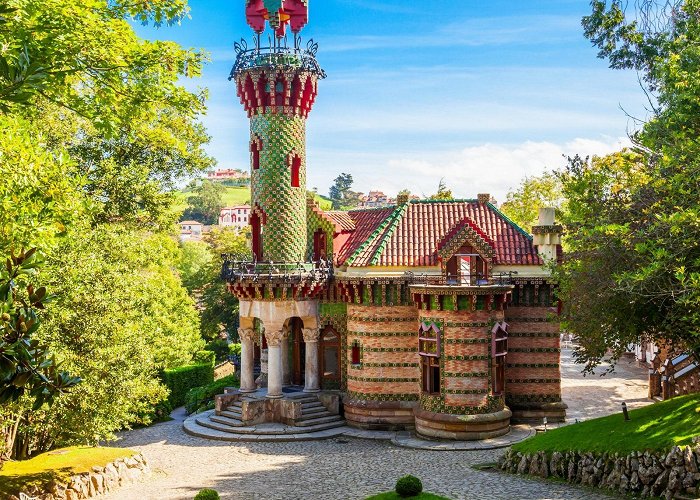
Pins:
x: 347, y: 468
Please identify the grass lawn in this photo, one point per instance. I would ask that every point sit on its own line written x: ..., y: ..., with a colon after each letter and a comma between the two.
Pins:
x: 656, y: 427
x: 235, y: 196
x: 391, y: 495
x: 55, y: 465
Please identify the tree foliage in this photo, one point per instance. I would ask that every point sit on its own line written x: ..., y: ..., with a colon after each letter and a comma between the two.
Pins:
x: 634, y: 217
x: 90, y: 146
x: 205, y: 202
x: 200, y: 268
x: 523, y: 204
x: 443, y: 193
x: 341, y: 195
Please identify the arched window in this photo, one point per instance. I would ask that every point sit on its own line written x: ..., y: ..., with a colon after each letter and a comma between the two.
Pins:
x: 296, y: 167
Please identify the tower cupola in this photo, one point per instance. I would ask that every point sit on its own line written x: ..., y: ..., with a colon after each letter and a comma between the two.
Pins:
x: 277, y: 85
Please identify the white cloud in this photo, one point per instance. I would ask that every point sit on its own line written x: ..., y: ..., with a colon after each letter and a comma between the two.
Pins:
x: 487, y: 168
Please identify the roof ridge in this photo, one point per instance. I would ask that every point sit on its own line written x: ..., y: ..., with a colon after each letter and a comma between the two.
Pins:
x: 509, y: 221
x: 458, y: 200
x: 373, y: 236
x: 367, y: 209
x: 395, y: 217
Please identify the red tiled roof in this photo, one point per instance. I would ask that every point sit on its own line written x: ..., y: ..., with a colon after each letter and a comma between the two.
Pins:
x: 366, y: 222
x: 342, y: 219
x: 410, y: 235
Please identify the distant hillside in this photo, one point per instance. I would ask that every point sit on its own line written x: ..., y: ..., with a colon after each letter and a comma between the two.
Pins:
x: 234, y: 196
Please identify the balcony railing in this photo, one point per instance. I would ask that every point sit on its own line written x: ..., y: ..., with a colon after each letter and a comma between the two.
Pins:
x: 283, y: 273
x: 277, y: 55
x: 471, y: 280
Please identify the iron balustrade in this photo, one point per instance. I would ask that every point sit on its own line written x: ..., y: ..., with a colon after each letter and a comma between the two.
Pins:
x: 276, y: 55
x: 462, y: 280
x: 285, y: 273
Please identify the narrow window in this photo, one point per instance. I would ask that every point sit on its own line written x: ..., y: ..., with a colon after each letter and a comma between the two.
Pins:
x: 355, y: 355
x: 499, y: 350
x: 330, y: 359
x: 296, y: 167
x: 320, y: 251
x: 256, y: 230
x: 255, y: 148
x: 429, y: 350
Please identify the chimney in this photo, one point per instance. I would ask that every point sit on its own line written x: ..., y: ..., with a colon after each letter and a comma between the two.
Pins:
x: 402, y: 198
x: 483, y: 198
x: 547, y: 234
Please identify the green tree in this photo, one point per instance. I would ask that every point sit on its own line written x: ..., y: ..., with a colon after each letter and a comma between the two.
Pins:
x: 27, y: 368
x: 120, y: 316
x: 639, y: 223
x: 206, y: 202
x: 442, y: 193
x: 340, y: 194
x: 523, y: 204
x: 202, y: 274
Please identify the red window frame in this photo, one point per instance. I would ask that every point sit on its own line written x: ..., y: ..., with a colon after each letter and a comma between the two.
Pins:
x: 355, y: 354
x: 296, y: 168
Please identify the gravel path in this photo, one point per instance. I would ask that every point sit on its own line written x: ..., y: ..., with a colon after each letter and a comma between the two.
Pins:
x: 352, y: 468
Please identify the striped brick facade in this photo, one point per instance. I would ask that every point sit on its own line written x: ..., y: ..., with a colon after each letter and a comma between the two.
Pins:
x: 533, y: 372
x: 383, y: 389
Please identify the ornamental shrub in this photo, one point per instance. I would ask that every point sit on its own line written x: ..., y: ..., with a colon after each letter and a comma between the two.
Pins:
x: 183, y: 378
x: 220, y: 349
x: 207, y: 494
x: 200, y: 398
x: 409, y: 486
x: 234, y: 349
x: 205, y: 357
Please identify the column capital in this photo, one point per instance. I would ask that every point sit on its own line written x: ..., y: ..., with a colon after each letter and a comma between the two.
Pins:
x: 311, y: 334
x: 274, y: 337
x: 247, y: 334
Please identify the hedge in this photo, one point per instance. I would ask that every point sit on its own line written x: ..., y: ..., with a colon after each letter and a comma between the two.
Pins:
x: 202, y: 398
x: 183, y: 378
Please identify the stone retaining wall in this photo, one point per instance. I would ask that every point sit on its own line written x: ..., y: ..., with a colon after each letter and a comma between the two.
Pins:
x: 675, y: 474
x: 90, y: 484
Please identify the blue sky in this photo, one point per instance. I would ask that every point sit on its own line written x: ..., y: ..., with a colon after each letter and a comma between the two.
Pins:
x: 480, y: 93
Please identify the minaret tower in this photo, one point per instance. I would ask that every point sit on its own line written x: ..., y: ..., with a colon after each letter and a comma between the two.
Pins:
x: 277, y: 85
x: 278, y: 289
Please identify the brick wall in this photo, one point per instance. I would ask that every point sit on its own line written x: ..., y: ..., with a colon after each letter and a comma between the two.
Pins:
x: 388, y: 339
x: 465, y: 360
x: 533, y: 373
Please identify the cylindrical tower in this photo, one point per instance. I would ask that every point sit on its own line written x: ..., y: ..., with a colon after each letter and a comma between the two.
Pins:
x: 277, y: 85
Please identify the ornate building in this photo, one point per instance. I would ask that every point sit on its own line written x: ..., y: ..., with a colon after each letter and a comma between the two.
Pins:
x: 434, y: 315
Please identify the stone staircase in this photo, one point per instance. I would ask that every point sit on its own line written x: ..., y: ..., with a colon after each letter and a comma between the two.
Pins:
x: 315, y: 422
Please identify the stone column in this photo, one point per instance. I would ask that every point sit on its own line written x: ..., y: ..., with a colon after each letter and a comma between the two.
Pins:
x: 312, y: 384
x: 274, y: 362
x: 286, y: 369
x: 247, y: 336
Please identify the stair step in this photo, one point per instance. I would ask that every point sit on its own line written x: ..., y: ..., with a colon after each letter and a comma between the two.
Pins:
x: 231, y: 414
x: 213, y: 422
x: 315, y: 404
x: 194, y: 429
x: 231, y: 422
x: 311, y: 411
x: 312, y: 416
x: 317, y: 421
